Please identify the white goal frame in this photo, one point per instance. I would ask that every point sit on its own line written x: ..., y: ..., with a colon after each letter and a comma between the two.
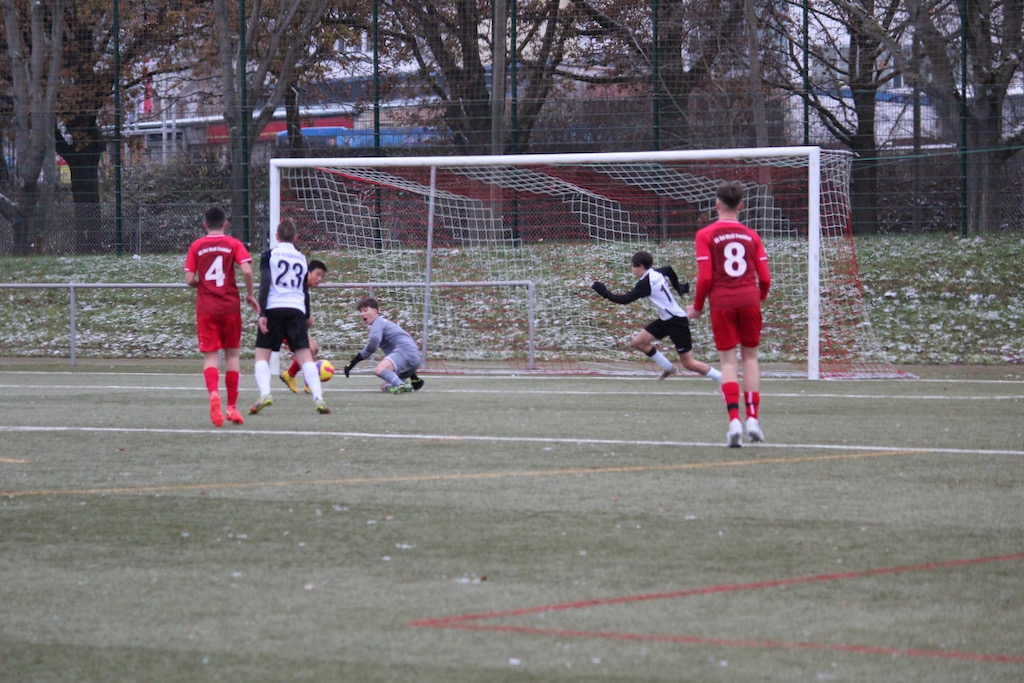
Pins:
x: 812, y: 154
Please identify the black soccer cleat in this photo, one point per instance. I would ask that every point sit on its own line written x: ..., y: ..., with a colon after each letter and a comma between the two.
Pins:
x: 417, y: 383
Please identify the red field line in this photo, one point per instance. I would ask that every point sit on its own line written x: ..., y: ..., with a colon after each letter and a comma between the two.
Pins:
x: 471, y: 622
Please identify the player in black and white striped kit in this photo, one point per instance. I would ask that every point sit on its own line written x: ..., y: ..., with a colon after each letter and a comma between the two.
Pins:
x: 672, y: 321
x: 284, y: 315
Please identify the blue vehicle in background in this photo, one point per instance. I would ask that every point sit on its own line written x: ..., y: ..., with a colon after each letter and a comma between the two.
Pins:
x: 320, y: 137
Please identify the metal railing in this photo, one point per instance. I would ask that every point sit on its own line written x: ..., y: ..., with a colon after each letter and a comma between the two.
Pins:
x: 73, y: 287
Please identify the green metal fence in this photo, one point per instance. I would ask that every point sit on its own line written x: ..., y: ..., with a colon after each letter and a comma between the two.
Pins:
x: 120, y: 122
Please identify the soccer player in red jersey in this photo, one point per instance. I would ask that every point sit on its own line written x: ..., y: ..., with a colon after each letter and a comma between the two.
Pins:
x: 210, y: 268
x: 733, y: 275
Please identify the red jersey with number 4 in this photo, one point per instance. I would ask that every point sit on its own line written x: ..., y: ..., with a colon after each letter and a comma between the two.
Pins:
x: 732, y: 267
x: 213, y: 259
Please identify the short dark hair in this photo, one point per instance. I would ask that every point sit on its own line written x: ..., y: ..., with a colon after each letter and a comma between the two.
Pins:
x: 315, y: 264
x: 643, y: 258
x: 215, y: 218
x: 368, y: 302
x: 730, y: 193
x: 286, y: 230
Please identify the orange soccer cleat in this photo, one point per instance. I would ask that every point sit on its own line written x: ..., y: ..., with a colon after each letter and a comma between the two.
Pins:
x: 216, y: 416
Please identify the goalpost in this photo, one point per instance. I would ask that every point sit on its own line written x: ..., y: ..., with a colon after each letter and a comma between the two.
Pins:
x: 561, y: 221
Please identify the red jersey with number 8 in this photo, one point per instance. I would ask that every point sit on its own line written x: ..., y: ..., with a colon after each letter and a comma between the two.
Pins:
x: 212, y: 258
x: 732, y: 267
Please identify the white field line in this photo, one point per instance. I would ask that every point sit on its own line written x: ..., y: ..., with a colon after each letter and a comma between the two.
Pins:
x: 361, y: 389
x: 524, y: 377
x: 290, y: 433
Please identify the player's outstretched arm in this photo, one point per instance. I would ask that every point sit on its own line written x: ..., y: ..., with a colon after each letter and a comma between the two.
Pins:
x: 632, y: 295
x: 352, y: 363
x: 669, y: 272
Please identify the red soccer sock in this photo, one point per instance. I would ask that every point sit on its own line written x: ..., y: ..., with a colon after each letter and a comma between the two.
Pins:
x: 212, y: 377
x: 731, y: 392
x: 231, y: 379
x: 752, y: 399
x: 295, y: 368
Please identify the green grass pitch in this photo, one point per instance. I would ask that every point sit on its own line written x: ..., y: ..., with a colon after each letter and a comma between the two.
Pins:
x: 510, y: 528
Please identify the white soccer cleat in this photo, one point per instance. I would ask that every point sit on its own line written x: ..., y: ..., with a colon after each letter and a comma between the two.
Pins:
x: 667, y: 373
x: 754, y: 432
x: 734, y: 439
x: 265, y: 401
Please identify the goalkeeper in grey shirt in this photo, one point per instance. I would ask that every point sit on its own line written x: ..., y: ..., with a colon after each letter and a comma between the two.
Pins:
x: 401, y: 355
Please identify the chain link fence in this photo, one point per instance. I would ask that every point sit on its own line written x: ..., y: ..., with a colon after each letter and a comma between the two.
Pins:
x: 124, y: 155
x: 144, y: 228
x: 917, y: 190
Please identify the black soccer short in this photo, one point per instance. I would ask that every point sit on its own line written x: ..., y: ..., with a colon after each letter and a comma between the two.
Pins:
x: 677, y: 329
x: 284, y: 324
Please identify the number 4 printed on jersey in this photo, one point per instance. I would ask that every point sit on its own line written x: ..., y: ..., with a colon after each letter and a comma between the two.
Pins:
x: 216, y: 272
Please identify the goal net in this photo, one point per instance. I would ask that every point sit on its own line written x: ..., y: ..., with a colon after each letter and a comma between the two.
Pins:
x: 410, y: 230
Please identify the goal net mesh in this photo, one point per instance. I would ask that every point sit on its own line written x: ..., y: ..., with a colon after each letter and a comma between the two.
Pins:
x: 562, y: 225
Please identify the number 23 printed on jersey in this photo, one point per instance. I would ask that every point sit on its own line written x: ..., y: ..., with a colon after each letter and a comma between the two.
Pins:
x: 290, y: 275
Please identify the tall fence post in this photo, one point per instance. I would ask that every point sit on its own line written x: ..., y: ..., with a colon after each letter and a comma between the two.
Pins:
x: 118, y: 163
x: 71, y: 317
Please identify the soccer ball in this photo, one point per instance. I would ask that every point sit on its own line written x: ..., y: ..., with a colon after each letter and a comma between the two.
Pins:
x: 326, y: 369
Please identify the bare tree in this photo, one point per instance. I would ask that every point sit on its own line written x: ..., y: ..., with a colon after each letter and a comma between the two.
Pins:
x: 993, y: 37
x: 989, y: 36
x: 450, y: 46
x: 281, y: 38
x: 34, y: 44
x: 87, y: 87
x: 696, y: 50
x: 847, y: 56
x: 696, y: 55
x: 148, y: 39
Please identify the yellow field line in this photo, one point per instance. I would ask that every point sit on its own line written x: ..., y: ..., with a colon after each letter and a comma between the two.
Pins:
x: 463, y: 476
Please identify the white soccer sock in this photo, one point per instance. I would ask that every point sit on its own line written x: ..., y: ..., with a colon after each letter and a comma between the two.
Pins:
x: 312, y: 377
x: 663, y: 362
x: 715, y: 375
x: 262, y: 373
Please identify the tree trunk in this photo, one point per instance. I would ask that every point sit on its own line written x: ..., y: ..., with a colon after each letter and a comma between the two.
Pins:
x: 985, y: 169
x: 754, y: 75
x: 29, y: 225
x: 34, y: 83
x: 293, y: 123
x: 239, y: 190
x: 864, y: 175
x: 83, y: 155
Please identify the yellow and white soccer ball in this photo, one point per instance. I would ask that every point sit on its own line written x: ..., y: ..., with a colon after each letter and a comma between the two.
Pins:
x: 326, y: 370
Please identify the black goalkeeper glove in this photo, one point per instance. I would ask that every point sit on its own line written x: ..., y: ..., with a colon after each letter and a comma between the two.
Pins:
x: 352, y: 363
x: 599, y: 287
x: 669, y: 272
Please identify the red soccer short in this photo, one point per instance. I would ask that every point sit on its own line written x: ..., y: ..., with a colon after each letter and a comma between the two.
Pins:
x: 736, y: 326
x: 218, y: 331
